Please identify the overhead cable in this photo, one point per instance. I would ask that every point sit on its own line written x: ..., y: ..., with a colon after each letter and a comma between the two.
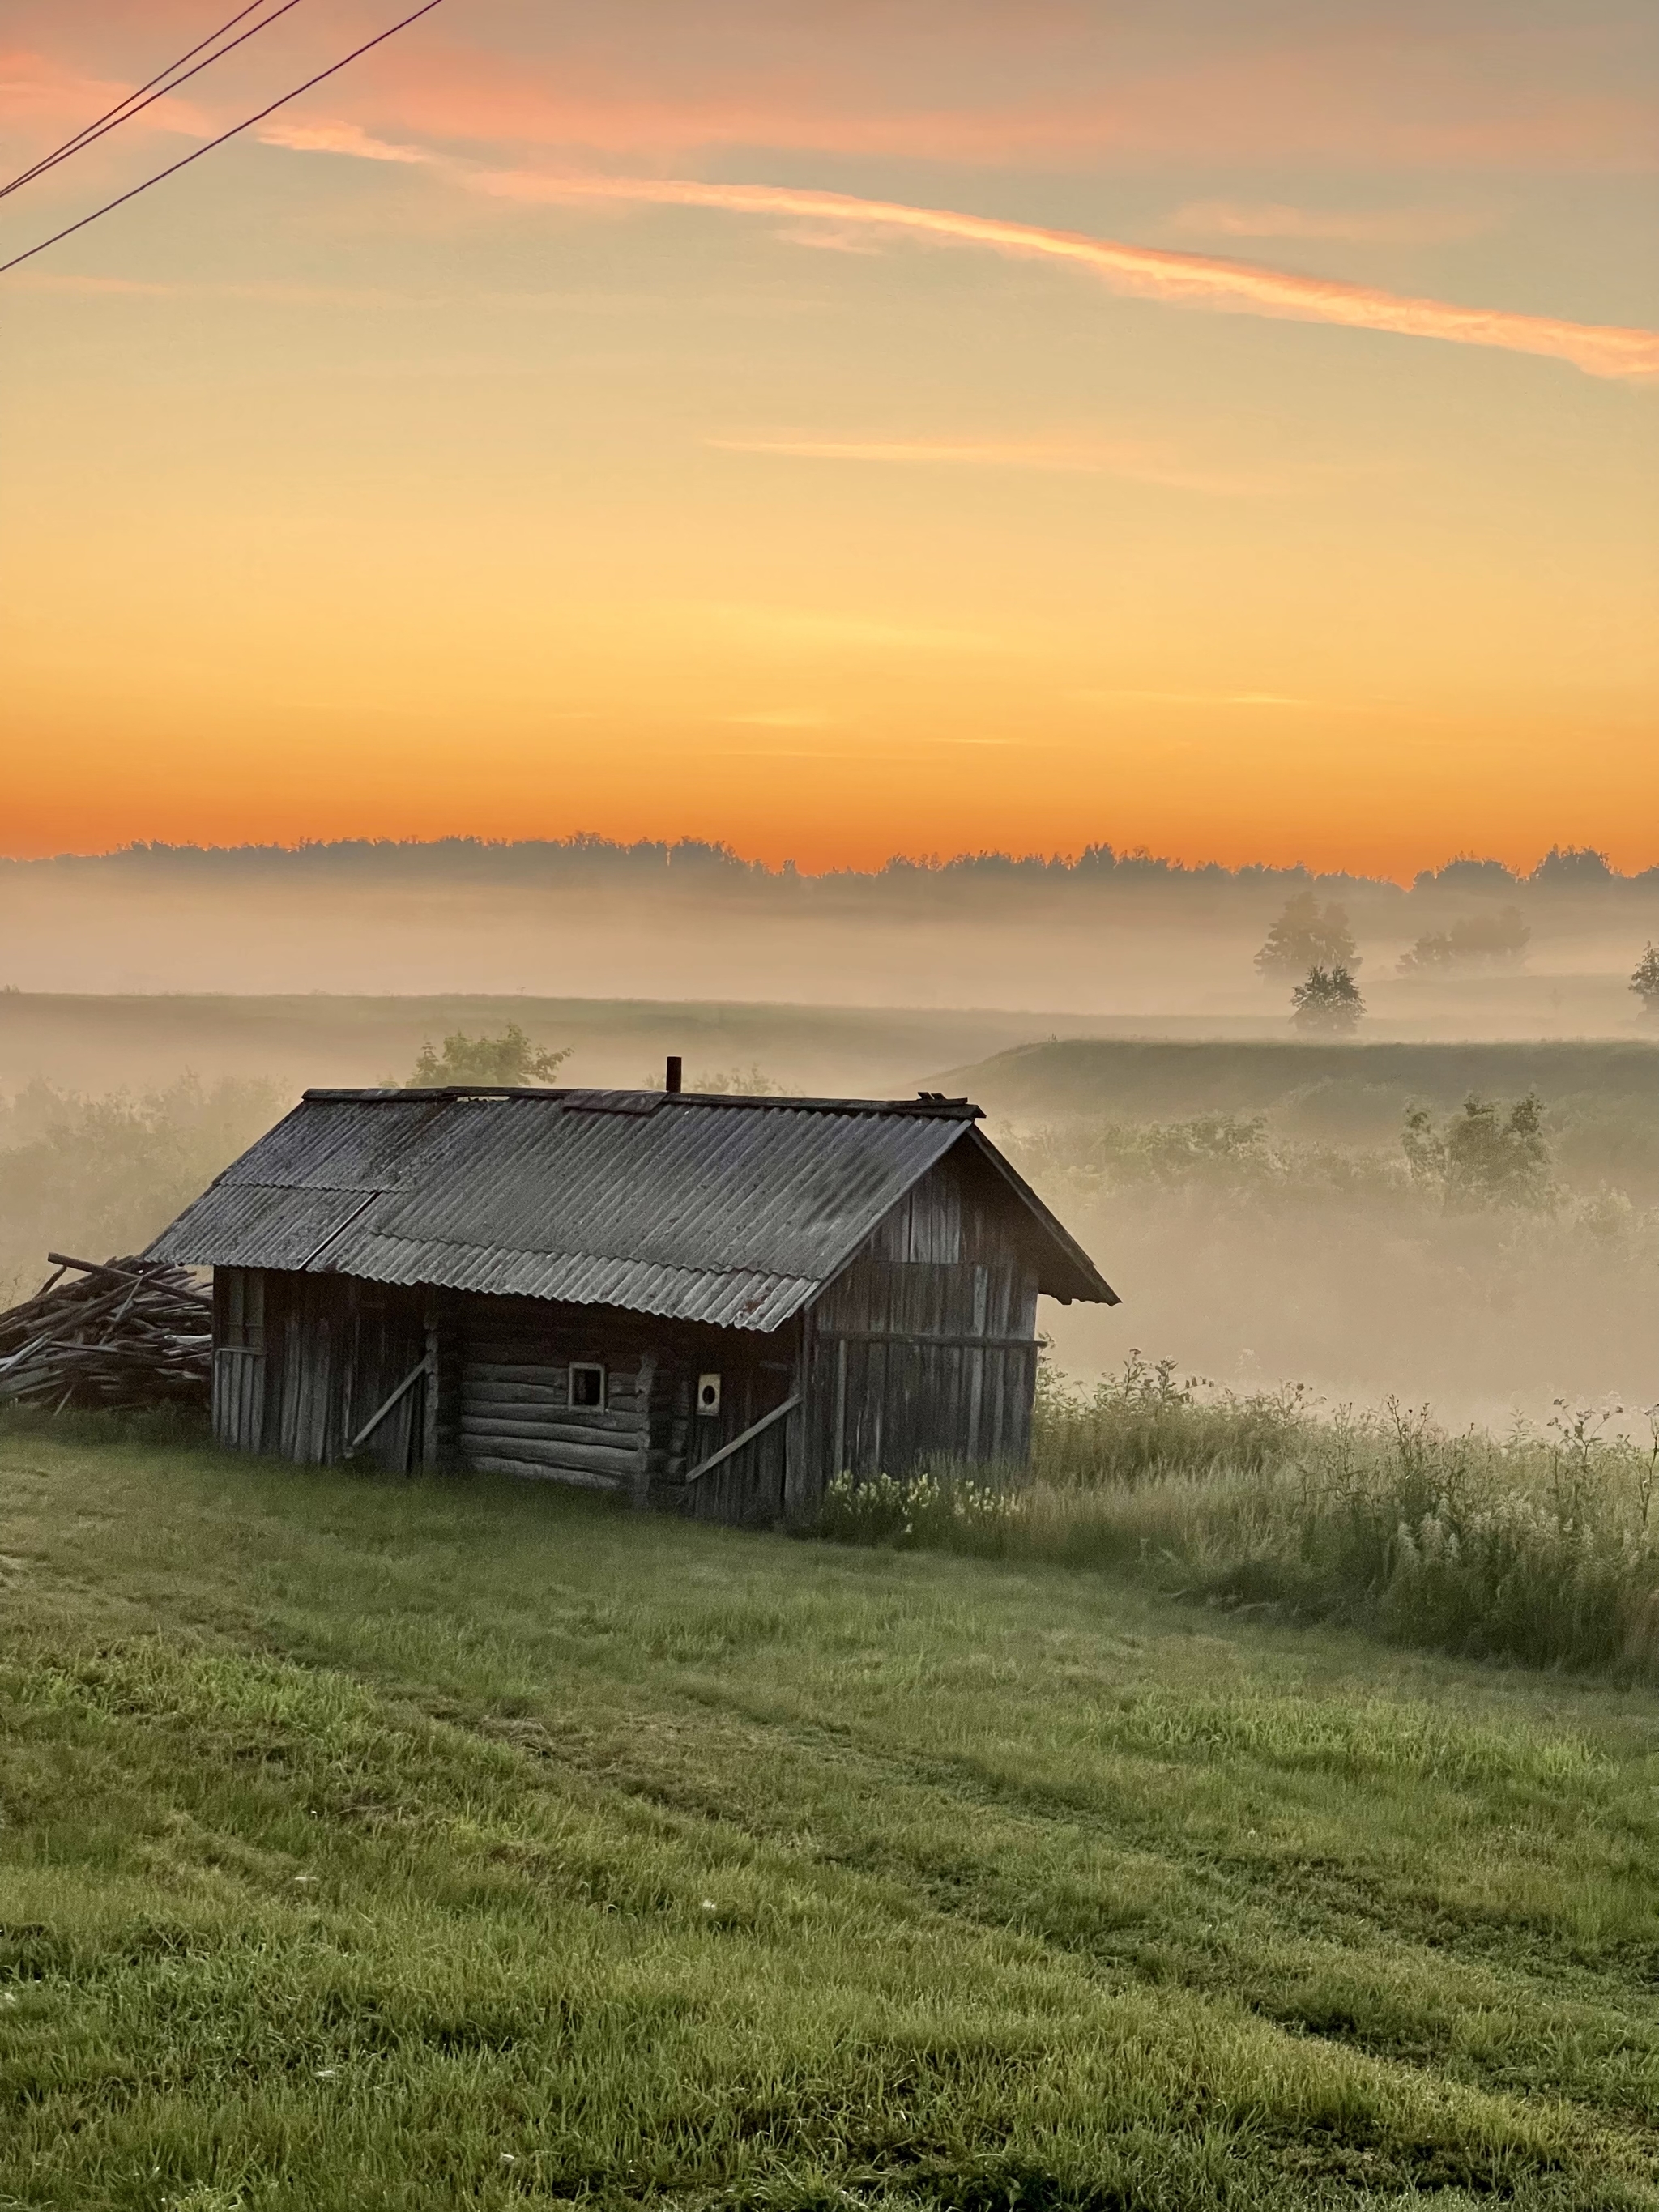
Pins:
x: 156, y: 88
x: 236, y: 129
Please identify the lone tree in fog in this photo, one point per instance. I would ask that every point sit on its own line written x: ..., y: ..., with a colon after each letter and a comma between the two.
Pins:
x: 1307, y: 935
x: 1327, y: 999
x: 509, y: 1059
x: 1644, y: 979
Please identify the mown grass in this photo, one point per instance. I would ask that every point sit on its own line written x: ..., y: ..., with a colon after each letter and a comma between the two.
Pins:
x: 373, y: 1843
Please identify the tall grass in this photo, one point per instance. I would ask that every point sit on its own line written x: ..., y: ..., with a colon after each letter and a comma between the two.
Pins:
x: 1541, y: 1547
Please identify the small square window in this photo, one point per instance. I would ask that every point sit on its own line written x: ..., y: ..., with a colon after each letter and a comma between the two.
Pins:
x: 588, y: 1386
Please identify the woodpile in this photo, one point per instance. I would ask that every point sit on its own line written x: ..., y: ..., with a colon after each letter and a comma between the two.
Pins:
x: 125, y: 1335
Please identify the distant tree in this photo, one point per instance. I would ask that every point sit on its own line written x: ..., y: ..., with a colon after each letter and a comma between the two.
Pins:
x: 510, y: 1058
x: 1644, y: 979
x: 1307, y: 935
x: 1567, y: 867
x: 1328, y: 999
x: 1467, y: 873
x: 1482, y: 1156
x: 739, y: 1082
x: 1473, y: 940
x: 1431, y: 955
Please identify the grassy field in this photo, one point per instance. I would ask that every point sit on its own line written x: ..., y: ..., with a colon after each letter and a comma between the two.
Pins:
x: 373, y: 1844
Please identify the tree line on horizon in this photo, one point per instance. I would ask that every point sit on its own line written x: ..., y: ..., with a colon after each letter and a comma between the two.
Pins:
x: 1566, y: 868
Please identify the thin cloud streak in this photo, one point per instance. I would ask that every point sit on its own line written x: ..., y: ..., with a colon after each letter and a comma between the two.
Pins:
x: 1147, y: 272
x: 1141, y: 271
x: 338, y: 137
x: 1195, y: 698
x: 1136, y: 464
x: 1420, y: 225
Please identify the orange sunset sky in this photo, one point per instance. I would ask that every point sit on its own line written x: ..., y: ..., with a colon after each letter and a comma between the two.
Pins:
x: 840, y: 429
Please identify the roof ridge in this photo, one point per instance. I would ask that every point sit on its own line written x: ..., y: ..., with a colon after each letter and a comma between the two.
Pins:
x: 925, y: 1106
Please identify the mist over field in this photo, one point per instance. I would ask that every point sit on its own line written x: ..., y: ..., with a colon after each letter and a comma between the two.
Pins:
x: 1130, y: 937
x: 1260, y: 1212
x: 1246, y: 1189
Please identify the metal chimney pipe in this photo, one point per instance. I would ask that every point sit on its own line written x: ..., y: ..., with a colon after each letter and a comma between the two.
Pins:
x: 672, y: 1083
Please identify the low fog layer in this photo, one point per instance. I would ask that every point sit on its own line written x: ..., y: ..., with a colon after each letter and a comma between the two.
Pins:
x: 1472, y: 951
x: 1342, y: 1215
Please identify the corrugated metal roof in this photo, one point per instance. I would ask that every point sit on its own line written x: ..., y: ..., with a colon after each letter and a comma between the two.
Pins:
x: 266, y: 1226
x: 732, y: 1211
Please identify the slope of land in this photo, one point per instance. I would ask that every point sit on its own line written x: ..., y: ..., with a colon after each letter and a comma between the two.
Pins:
x: 410, y: 1844
x: 95, y: 1042
x: 1352, y: 1089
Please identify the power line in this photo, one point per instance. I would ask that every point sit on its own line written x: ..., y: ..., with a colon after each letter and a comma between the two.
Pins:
x: 112, y: 116
x: 135, y: 106
x: 247, y: 124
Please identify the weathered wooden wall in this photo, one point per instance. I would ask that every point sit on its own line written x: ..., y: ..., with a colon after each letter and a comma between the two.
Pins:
x: 332, y: 1351
x: 516, y: 1416
x: 927, y: 1345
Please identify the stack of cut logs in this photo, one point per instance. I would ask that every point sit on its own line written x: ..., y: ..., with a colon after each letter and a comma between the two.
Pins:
x: 125, y: 1335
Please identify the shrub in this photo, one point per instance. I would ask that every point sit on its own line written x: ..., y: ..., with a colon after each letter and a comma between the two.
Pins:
x: 508, y: 1059
x: 94, y: 1176
x: 1481, y: 1155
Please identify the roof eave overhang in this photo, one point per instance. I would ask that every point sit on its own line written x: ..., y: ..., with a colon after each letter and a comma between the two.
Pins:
x: 1087, y: 1282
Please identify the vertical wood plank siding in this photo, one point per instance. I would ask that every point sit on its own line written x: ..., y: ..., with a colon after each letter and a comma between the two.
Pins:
x: 925, y: 1345
x: 239, y: 1398
x: 335, y: 1349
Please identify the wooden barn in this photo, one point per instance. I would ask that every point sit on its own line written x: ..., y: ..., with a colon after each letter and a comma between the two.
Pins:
x: 713, y: 1301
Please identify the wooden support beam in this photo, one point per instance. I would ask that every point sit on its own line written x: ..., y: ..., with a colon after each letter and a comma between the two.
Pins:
x: 755, y: 1429
x: 422, y: 1366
